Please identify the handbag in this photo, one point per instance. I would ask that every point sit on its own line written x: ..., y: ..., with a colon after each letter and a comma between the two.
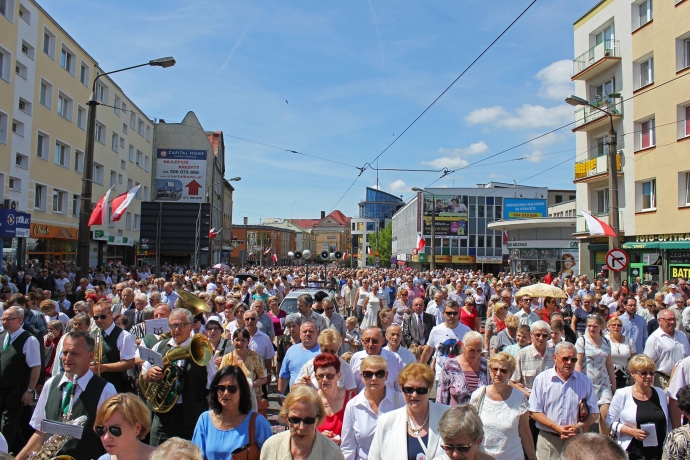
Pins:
x: 251, y: 451
x: 480, y: 403
x: 582, y: 410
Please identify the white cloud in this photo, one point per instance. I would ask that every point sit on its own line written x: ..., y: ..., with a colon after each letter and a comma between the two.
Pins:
x: 555, y: 80
x: 376, y: 186
x: 495, y: 176
x: 447, y: 162
x: 526, y: 117
x: 534, y: 157
x: 473, y: 149
x: 399, y: 186
x: 453, y: 157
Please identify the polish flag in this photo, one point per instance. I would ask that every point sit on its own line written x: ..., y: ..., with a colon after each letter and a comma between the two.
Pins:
x: 214, y: 233
x: 596, y: 226
x: 421, y: 242
x: 368, y: 250
x: 98, y: 217
x: 120, y: 203
x: 345, y: 255
x: 267, y: 250
x: 274, y: 258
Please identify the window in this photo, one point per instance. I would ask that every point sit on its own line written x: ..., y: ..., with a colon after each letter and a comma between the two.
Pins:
x: 4, y: 120
x: 133, y: 120
x: 131, y: 154
x: 645, y: 134
x: 78, y: 161
x: 45, y: 96
x: 42, y: 142
x: 24, y: 14
x: 21, y: 161
x: 61, y: 156
x: 140, y: 126
x: 7, y: 9
x: 137, y: 221
x: 146, y: 163
x: 138, y: 194
x: 76, y: 204
x: 98, y: 174
x: 146, y: 193
x: 123, y: 165
x: 100, y: 133
x: 24, y: 106
x: 642, y: 13
x: 117, y: 105
x: 122, y: 142
x: 602, y: 204
x: 559, y: 199
x: 101, y: 92
x: 128, y: 221
x: 124, y: 107
x: 140, y: 159
x: 59, y: 201
x: 119, y: 178
x: 19, y: 68
x: 129, y: 184
x: 649, y: 195
x: 113, y: 178
x: 40, y: 197
x: 115, y: 142
x: 148, y: 133
x: 49, y: 43
x: 6, y: 64
x: 124, y: 128
x: 67, y: 60
x: 28, y: 50
x: 646, y: 75
x: 687, y: 189
x: 686, y: 53
x: 15, y: 184
x: 84, y: 74
x: 686, y: 121
x: 18, y: 127
x: 602, y: 145
x: 65, y: 106
x: 81, y: 117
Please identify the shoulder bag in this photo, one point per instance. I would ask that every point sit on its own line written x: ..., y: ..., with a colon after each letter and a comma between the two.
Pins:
x: 251, y: 451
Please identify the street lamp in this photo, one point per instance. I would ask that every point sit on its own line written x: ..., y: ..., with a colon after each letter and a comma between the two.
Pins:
x: 432, y: 262
x: 614, y: 242
x: 84, y: 239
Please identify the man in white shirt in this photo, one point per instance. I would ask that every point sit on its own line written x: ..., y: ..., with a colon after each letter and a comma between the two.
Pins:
x: 445, y: 338
x: 666, y: 346
x: 169, y: 295
x: 608, y: 297
x: 259, y: 342
x: 434, y: 307
x: 526, y: 315
x: 394, y: 337
x: 670, y: 299
x: 119, y: 347
x: 372, y: 339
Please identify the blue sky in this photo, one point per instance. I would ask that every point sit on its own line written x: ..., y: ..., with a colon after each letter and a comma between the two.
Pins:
x: 354, y: 75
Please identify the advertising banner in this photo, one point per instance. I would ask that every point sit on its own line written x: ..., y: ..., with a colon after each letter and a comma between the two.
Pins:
x: 14, y: 224
x: 451, y: 215
x: 180, y: 175
x: 521, y: 208
x: 463, y: 259
x: 570, y: 262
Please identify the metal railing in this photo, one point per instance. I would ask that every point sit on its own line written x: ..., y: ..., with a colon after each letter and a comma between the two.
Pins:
x: 581, y: 224
x: 594, y: 166
x: 605, y: 49
x: 586, y: 114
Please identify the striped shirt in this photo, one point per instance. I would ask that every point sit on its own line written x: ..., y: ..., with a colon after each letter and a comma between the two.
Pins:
x: 529, y: 363
x: 558, y: 400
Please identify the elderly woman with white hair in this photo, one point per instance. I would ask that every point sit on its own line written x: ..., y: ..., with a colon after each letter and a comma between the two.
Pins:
x: 462, y: 433
x: 462, y: 375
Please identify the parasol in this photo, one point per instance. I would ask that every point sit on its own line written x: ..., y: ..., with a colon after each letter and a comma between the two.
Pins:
x: 222, y: 267
x: 542, y: 290
x: 245, y: 275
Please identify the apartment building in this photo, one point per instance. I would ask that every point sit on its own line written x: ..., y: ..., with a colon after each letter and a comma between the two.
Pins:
x: 45, y: 82
x: 628, y: 52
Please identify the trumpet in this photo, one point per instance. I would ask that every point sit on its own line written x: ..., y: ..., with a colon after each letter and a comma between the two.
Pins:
x: 98, y: 350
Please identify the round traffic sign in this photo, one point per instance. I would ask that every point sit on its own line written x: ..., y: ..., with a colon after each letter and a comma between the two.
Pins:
x: 617, y: 260
x: 393, y: 261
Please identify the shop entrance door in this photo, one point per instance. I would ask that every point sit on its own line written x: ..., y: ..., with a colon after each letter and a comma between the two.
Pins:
x: 648, y: 273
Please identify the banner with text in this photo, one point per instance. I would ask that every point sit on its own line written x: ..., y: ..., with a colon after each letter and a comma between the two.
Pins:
x: 450, y: 215
x: 180, y: 175
x: 521, y: 208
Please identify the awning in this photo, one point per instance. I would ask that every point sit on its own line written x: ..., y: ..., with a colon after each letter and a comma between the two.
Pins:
x: 674, y: 245
x: 636, y: 245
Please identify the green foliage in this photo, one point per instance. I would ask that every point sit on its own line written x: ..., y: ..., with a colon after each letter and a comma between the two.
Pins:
x: 385, y: 236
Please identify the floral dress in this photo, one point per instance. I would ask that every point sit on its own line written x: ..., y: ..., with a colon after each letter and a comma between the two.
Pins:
x: 453, y: 388
x: 677, y: 445
x: 594, y: 366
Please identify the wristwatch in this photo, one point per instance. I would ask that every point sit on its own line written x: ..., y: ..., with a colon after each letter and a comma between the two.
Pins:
x: 33, y: 392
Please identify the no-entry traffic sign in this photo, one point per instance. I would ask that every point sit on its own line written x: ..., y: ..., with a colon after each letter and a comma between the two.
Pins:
x: 617, y: 260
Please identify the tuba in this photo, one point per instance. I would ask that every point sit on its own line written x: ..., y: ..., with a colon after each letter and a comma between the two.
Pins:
x: 163, y: 395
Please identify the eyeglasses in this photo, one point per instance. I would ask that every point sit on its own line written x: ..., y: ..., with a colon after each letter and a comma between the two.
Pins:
x: 498, y: 369
x: 324, y: 376
x: 412, y: 390
x: 101, y: 317
x: 297, y: 420
x: 250, y: 319
x: 451, y: 313
x: 232, y: 389
x: 114, y: 430
x: 5, y: 320
x: 213, y: 329
x: 371, y: 341
x: 526, y: 300
x: 615, y: 325
x: 178, y: 326
x: 646, y: 373
x: 368, y: 375
x: 668, y: 320
x: 540, y: 336
x: 568, y: 360
x: 450, y: 448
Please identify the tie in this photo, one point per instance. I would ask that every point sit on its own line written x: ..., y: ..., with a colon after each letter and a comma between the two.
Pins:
x: 65, y: 400
x: 420, y: 324
x: 7, y: 342
x: 138, y: 320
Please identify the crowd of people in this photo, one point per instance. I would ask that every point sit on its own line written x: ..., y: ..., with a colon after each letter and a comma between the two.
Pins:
x: 373, y: 364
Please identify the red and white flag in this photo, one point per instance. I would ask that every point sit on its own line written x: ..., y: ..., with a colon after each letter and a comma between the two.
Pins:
x: 98, y: 216
x: 214, y: 233
x: 596, y: 226
x: 267, y: 250
x: 345, y: 255
x: 421, y: 242
x: 274, y: 258
x: 368, y: 250
x: 120, y: 203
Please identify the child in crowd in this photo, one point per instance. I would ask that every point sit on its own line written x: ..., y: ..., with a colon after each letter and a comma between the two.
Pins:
x: 523, y: 339
x: 352, y: 338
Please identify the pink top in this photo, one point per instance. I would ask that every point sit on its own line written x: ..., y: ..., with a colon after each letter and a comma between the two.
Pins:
x: 277, y: 323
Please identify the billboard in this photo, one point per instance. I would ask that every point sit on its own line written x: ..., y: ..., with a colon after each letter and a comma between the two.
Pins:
x: 14, y: 224
x: 451, y: 215
x: 180, y: 175
x: 524, y: 208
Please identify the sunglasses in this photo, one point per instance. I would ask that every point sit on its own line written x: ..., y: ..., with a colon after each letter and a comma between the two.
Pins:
x: 540, y: 336
x: 497, y: 369
x: 371, y: 341
x: 450, y: 448
x: 114, y: 430
x: 451, y: 313
x: 324, y: 376
x: 101, y: 317
x: 412, y: 390
x: 232, y: 389
x: 368, y: 375
x: 646, y: 373
x: 568, y: 360
x: 297, y: 420
x: 249, y: 319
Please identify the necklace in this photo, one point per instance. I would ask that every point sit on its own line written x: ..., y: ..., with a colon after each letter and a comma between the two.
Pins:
x: 414, y: 429
x: 329, y: 401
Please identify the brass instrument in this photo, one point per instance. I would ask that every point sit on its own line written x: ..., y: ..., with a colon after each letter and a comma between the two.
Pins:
x: 192, y: 303
x: 163, y: 395
x: 98, y: 350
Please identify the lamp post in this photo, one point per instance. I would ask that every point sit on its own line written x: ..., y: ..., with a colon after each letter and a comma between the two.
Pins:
x: 614, y: 217
x: 432, y: 262
x: 196, y: 255
x: 84, y: 239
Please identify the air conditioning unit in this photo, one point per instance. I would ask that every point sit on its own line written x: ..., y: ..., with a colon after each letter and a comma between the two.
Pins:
x: 11, y: 204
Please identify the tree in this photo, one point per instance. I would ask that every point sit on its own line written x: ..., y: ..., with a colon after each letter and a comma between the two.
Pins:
x: 385, y: 245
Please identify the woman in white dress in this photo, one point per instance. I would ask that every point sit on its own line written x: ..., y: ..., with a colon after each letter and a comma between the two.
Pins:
x: 622, y: 349
x: 504, y: 413
x: 371, y: 307
x: 362, y: 295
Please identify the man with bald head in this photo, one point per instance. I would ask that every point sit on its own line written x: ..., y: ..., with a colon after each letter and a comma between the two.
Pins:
x: 394, y: 335
x: 372, y: 340
x: 169, y: 295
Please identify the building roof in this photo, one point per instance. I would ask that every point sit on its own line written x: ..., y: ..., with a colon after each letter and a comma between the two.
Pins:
x: 214, y: 138
x: 336, y: 215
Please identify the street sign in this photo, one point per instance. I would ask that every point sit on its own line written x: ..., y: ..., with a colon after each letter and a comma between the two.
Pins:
x: 617, y: 260
x: 377, y: 254
x: 377, y: 260
x: 393, y: 261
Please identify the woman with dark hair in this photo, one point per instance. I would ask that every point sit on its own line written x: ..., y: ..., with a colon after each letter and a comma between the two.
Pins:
x: 248, y: 360
x: 230, y: 425
x: 677, y: 445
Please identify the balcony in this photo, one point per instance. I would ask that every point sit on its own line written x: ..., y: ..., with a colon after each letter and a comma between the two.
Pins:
x: 594, y: 168
x: 581, y: 225
x: 597, y: 59
x: 588, y: 118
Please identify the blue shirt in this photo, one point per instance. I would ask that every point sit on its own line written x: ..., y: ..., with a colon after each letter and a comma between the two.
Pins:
x: 216, y: 444
x: 635, y: 329
x: 296, y: 357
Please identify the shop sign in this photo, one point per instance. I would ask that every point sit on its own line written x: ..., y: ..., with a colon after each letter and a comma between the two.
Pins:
x: 14, y: 223
x: 662, y: 237
x: 464, y: 259
x: 120, y: 241
x: 679, y: 257
x: 401, y: 263
x: 423, y: 258
x: 53, y: 231
x: 415, y: 258
x: 519, y: 208
x: 489, y: 260
x: 443, y: 259
x: 101, y: 235
x: 543, y: 244
x: 679, y: 271
x: 600, y: 257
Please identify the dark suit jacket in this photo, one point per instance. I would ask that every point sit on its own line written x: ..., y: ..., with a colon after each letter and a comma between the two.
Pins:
x: 411, y: 328
x: 22, y: 285
x: 131, y: 316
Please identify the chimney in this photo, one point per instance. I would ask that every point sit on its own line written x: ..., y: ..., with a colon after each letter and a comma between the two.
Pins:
x: 246, y: 221
x: 323, y: 214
